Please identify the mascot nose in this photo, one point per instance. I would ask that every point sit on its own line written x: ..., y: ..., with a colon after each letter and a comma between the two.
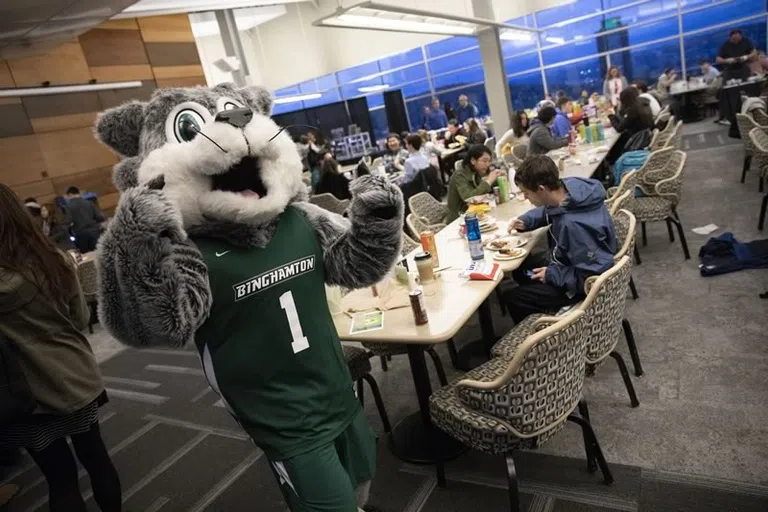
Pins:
x: 237, y: 117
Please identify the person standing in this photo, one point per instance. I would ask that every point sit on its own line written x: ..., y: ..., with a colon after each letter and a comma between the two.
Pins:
x: 465, y: 110
x: 42, y: 314
x: 614, y: 83
x: 581, y: 239
x: 734, y: 56
x: 435, y: 118
x: 473, y: 178
x: 86, y: 220
x: 540, y: 139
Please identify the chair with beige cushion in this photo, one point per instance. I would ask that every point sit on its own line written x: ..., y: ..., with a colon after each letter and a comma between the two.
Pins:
x: 666, y: 195
x: 759, y: 139
x: 676, y: 137
x: 746, y: 124
x: 604, y: 306
x: 616, y: 203
x: 88, y: 277
x: 359, y: 364
x: 656, y: 160
x: 522, y: 400
x: 428, y: 209
x: 330, y: 202
x: 408, y: 244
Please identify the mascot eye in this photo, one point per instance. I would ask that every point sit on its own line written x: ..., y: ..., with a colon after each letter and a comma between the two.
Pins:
x: 188, y: 123
x: 225, y: 103
x: 230, y: 106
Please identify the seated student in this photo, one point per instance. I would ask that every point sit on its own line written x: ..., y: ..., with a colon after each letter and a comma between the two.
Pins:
x: 332, y: 182
x: 540, y: 138
x: 634, y: 116
x: 472, y: 179
x: 581, y: 238
x: 394, y: 157
x: 454, y: 130
x: 649, y: 98
x: 561, y: 126
x: 476, y: 134
x: 416, y: 161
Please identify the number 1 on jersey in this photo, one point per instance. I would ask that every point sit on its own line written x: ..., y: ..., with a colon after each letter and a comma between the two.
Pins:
x: 300, y: 342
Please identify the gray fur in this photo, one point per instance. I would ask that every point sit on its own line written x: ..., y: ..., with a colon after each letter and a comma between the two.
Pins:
x: 125, y: 173
x: 119, y: 127
x: 360, y: 251
x: 153, y: 282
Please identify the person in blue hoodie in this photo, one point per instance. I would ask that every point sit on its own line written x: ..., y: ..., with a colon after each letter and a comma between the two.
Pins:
x: 561, y: 127
x: 581, y: 239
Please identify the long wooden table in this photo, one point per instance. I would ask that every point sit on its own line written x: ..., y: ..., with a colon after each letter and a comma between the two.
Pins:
x: 450, y: 301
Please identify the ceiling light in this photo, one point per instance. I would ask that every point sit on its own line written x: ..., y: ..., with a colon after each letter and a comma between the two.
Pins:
x: 397, y: 25
x: 294, y: 99
x: 66, y: 89
x: 516, y: 35
x: 373, y: 88
x: 161, y: 7
x: 555, y: 40
x: 370, y: 15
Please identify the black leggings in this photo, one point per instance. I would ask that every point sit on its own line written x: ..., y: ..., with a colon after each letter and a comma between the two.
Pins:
x: 60, y: 470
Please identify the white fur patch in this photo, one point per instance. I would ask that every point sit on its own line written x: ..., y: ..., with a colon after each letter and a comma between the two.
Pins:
x: 188, y: 168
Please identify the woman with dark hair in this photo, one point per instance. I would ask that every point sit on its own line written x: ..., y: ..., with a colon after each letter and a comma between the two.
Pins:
x: 473, y: 178
x: 634, y: 115
x: 332, y: 182
x: 516, y: 134
x: 53, y: 225
x: 613, y: 85
x: 395, y: 155
x: 42, y: 313
x: 476, y: 134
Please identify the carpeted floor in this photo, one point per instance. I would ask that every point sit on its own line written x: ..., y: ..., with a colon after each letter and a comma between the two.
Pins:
x: 698, y: 441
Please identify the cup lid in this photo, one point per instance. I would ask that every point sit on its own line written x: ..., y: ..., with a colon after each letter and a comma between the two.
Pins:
x: 422, y: 256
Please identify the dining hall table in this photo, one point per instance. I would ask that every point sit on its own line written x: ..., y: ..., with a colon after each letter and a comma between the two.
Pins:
x: 450, y: 300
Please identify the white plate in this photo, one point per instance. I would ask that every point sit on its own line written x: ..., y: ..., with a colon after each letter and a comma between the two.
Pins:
x: 514, y: 241
x: 503, y: 257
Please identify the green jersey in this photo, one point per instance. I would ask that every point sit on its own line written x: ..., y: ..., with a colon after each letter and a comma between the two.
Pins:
x: 269, y: 346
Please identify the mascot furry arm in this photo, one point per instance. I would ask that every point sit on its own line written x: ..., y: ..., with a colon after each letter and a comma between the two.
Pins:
x: 153, y: 279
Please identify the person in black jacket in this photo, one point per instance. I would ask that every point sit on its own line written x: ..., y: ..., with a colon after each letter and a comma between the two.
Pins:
x: 332, y: 182
x: 634, y: 116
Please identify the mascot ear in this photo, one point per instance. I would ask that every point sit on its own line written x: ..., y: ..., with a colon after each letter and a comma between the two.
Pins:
x: 120, y: 127
x: 257, y: 98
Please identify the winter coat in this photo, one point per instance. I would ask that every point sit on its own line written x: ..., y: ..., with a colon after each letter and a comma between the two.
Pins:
x: 581, y: 234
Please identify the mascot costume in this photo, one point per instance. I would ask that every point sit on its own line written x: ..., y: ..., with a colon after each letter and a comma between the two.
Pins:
x: 213, y: 242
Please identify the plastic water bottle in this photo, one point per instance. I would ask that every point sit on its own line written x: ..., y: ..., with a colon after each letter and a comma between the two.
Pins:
x: 473, y: 237
x: 600, y: 131
x: 588, y: 133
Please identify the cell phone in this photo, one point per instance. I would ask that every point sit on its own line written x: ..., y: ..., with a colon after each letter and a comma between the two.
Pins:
x: 529, y: 273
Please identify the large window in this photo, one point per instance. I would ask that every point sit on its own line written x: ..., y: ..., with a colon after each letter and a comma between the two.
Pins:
x: 526, y: 90
x: 379, y: 123
x: 463, y: 77
x: 647, y: 63
x: 706, y: 45
x: 722, y: 12
x: 574, y: 78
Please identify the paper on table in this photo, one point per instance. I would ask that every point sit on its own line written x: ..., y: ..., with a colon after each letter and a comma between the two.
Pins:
x: 364, y: 322
x: 392, y: 295
x: 705, y: 230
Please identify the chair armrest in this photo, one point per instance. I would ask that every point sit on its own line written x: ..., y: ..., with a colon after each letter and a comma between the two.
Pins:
x: 669, y: 187
x: 611, y: 192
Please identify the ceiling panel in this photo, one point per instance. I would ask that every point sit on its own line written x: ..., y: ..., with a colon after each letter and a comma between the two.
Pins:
x: 31, y: 26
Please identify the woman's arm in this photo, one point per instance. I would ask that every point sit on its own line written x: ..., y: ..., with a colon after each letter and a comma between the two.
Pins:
x: 79, y: 312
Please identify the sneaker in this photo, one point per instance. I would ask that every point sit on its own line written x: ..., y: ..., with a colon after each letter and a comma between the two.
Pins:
x: 717, y: 121
x: 724, y: 122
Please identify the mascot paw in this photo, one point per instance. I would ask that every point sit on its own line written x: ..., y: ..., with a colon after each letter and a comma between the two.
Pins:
x: 147, y: 209
x: 375, y: 196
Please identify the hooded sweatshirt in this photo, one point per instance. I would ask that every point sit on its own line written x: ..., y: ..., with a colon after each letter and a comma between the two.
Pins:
x: 581, y: 235
x: 541, y: 140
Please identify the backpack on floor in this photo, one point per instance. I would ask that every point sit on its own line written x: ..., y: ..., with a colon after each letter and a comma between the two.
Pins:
x: 16, y: 400
x: 640, y: 140
x: 629, y: 162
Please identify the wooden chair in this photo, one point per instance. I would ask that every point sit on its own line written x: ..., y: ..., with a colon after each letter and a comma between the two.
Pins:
x: 330, y: 202
x: 521, y: 401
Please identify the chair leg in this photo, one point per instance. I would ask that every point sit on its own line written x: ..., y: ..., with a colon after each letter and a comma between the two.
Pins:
x: 438, y: 366
x: 501, y: 301
x: 632, y: 347
x: 747, y: 162
x: 637, y: 256
x: 591, y: 461
x: 627, y: 380
x: 384, y: 366
x: 645, y: 237
x: 670, y: 231
x: 761, y: 220
x: 633, y: 289
x: 379, y: 402
x: 514, y: 499
x: 762, y: 185
x: 452, y: 353
x: 681, y: 233
x: 587, y: 429
x: 360, y: 392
